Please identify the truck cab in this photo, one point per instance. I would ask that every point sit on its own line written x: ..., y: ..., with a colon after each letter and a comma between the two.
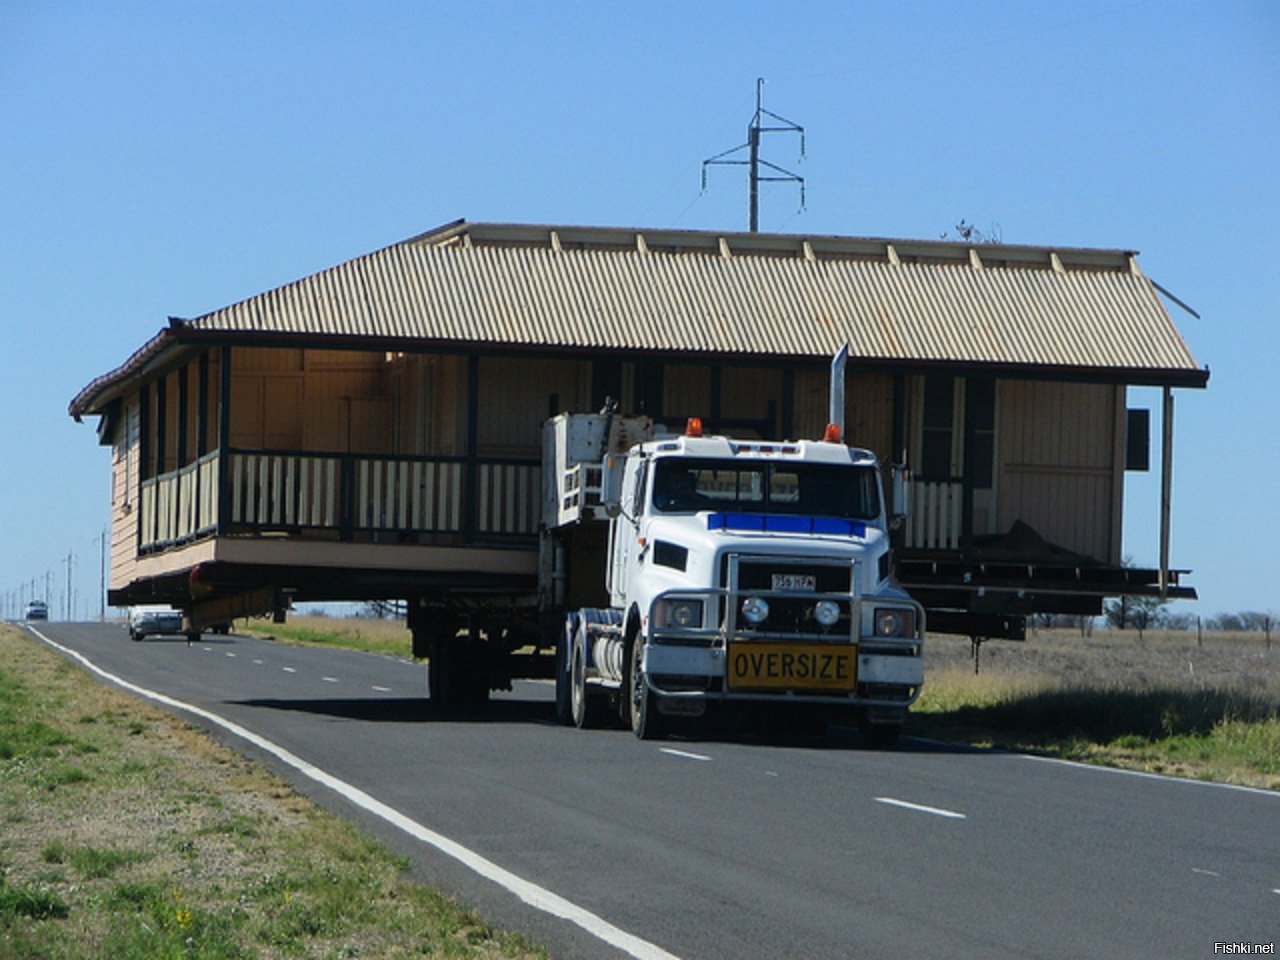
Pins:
x: 749, y: 572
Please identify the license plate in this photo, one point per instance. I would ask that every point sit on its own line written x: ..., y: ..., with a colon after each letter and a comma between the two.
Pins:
x: 789, y: 666
x: 795, y: 581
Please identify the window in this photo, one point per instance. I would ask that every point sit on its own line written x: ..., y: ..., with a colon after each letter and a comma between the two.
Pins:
x: 938, y: 427
x: 980, y: 413
x: 683, y: 485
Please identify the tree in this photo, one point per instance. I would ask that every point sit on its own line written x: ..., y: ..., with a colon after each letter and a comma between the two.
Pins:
x: 968, y: 233
x: 1140, y: 612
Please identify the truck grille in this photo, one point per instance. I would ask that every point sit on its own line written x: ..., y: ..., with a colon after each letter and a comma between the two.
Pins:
x: 757, y: 574
x: 791, y: 612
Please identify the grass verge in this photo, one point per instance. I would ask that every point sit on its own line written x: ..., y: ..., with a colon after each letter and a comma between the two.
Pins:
x: 127, y: 833
x: 390, y: 637
x: 1223, y: 734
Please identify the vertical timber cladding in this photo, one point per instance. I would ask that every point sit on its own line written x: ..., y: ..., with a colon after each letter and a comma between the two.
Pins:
x: 126, y: 451
x: 326, y: 401
x: 1058, y: 465
x: 868, y: 409
x: 516, y: 396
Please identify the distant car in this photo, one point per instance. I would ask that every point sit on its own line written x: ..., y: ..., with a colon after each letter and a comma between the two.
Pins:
x: 151, y: 621
x: 37, y: 610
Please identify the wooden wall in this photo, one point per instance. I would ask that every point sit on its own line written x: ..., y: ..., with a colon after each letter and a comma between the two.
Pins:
x: 1060, y: 455
x: 516, y: 395
x: 125, y: 452
x: 330, y: 401
x: 1059, y: 446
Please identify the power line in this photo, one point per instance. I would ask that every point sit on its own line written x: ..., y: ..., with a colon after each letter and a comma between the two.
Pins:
x: 754, y: 161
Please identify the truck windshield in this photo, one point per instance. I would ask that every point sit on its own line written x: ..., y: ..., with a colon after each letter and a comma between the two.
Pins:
x: 683, y: 485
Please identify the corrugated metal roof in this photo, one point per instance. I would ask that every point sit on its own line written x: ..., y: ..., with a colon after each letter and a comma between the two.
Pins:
x: 745, y: 294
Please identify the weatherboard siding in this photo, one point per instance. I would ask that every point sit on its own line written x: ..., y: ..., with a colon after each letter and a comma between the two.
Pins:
x: 1059, y: 471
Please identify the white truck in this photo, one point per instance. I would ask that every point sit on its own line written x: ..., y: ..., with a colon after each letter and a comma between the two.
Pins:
x: 702, y: 571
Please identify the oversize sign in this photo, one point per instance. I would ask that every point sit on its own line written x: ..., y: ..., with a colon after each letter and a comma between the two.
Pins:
x: 792, y: 666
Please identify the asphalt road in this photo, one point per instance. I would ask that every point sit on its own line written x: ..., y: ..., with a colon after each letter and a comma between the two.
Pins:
x: 715, y: 848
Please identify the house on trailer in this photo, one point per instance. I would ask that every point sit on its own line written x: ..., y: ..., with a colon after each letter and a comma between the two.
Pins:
x: 372, y: 431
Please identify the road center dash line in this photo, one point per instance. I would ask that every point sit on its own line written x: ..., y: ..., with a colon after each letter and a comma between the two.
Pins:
x: 684, y: 753
x: 936, y: 811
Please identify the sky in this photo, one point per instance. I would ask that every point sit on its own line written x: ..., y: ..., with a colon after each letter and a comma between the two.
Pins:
x: 167, y: 159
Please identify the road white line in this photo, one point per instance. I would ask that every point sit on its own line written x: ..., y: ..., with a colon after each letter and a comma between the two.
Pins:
x: 289, y: 669
x: 1147, y: 775
x: 683, y: 753
x: 258, y: 662
x: 1205, y: 873
x: 381, y: 689
x: 232, y: 655
x: 936, y: 811
x: 535, y: 896
x: 329, y: 679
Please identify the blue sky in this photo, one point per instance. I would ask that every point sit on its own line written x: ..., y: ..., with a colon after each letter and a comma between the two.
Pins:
x: 171, y: 158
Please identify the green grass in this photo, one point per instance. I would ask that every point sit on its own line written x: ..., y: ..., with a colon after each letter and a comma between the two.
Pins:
x: 1219, y: 734
x: 372, y: 636
x: 130, y: 834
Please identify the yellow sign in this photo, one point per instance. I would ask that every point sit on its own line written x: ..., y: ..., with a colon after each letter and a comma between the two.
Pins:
x: 792, y: 666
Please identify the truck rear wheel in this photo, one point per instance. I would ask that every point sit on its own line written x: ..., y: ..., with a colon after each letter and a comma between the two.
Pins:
x: 564, y: 644
x: 587, y: 706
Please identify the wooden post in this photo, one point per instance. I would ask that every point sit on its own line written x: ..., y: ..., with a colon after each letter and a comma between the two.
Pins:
x: 224, y: 442
x: 1166, y: 488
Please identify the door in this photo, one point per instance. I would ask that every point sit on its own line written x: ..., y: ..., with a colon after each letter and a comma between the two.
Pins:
x: 953, y: 454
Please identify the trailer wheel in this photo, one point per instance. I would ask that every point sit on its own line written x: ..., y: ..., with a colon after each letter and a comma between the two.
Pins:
x: 458, y: 672
x: 438, y: 671
x: 646, y: 722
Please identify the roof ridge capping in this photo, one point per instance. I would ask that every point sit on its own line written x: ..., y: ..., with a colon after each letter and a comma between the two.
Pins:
x: 808, y: 247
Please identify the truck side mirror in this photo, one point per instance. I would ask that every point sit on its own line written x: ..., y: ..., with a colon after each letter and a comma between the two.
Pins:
x: 612, y: 509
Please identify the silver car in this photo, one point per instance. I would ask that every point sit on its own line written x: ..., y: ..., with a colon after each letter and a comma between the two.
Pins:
x: 151, y: 621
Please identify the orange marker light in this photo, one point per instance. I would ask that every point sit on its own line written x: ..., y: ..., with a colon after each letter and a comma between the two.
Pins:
x: 832, y: 433
x: 693, y: 427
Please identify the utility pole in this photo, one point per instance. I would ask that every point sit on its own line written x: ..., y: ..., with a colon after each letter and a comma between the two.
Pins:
x: 102, y: 573
x: 69, y: 562
x: 754, y: 162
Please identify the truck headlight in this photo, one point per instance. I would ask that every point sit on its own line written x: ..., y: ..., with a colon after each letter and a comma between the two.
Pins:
x: 678, y: 613
x: 895, y: 622
x: 755, y: 609
x: 685, y: 613
x: 826, y: 612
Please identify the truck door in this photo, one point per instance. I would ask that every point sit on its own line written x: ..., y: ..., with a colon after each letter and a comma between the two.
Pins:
x: 625, y: 529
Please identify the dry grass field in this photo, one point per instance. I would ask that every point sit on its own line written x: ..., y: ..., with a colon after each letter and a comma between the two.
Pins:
x: 1168, y: 702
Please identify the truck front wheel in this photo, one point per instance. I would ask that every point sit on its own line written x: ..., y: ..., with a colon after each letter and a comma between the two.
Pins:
x: 646, y: 721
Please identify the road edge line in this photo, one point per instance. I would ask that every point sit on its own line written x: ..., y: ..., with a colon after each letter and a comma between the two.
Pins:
x: 538, y: 897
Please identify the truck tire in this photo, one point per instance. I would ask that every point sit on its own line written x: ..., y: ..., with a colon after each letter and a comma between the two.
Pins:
x: 646, y: 722
x: 564, y: 644
x: 588, y: 705
x: 438, y: 671
x: 458, y: 672
x: 880, y: 736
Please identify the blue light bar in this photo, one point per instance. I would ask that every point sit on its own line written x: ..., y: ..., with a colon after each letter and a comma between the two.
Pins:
x: 786, y: 523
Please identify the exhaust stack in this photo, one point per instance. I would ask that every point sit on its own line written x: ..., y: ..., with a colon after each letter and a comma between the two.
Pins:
x: 835, y: 412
